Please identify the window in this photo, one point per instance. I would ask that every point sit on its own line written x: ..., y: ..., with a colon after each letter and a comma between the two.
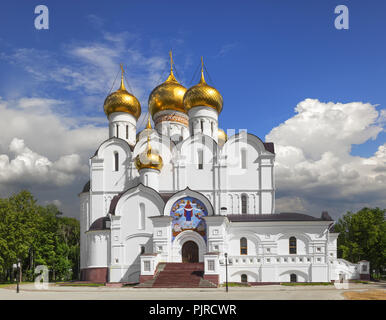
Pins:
x: 127, y: 132
x: 200, y: 159
x: 293, y: 277
x: 243, y: 246
x: 364, y: 268
x: 117, y: 126
x: 202, y: 126
x: 211, y: 265
x: 142, y: 249
x: 244, y: 204
x: 211, y: 127
x: 141, y: 218
x: 243, y: 159
x: 292, y: 245
x: 116, y: 161
x: 146, y: 265
x: 318, y: 249
x: 244, y: 278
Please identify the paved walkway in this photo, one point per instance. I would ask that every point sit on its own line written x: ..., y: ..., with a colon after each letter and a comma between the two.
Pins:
x: 271, y: 292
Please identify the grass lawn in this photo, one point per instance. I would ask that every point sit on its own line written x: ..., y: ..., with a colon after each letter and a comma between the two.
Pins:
x: 10, y: 284
x: 236, y: 284
x: 290, y: 284
x: 75, y: 284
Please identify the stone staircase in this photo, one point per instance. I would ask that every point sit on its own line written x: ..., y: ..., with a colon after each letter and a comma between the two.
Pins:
x: 178, y: 275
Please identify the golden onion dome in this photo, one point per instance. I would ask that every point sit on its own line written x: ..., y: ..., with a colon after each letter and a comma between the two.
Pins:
x: 221, y: 135
x: 122, y: 101
x: 148, y: 159
x: 168, y: 95
x: 203, y: 94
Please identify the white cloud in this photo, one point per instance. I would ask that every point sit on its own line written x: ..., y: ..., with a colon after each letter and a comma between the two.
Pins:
x: 29, y: 167
x: 313, y: 160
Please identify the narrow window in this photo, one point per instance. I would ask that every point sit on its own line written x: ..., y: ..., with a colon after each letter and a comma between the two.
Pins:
x: 293, y: 277
x: 292, y: 245
x: 141, y: 218
x: 142, y: 250
x: 243, y: 159
x: 117, y: 131
x: 211, y: 127
x: 244, y: 204
x: 243, y: 246
x: 146, y: 266
x: 116, y: 161
x: 127, y: 132
x: 202, y: 126
x: 244, y: 278
x: 200, y: 159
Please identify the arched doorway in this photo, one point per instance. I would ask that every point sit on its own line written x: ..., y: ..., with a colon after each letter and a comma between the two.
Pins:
x: 189, y: 252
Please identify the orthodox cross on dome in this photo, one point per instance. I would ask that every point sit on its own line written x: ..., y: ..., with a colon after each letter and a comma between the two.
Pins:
x: 171, y: 75
x: 148, y: 126
x: 202, y: 80
x: 122, y: 87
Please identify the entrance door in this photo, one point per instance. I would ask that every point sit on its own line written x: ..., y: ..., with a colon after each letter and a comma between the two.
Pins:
x: 189, y: 252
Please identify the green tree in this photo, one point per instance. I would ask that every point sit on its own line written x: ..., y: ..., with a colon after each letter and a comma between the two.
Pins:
x: 362, y: 236
x: 37, y: 235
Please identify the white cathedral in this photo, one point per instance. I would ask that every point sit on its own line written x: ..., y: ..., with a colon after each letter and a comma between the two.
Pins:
x: 183, y: 204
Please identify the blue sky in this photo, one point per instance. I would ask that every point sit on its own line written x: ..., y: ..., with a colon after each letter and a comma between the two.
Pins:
x: 265, y: 57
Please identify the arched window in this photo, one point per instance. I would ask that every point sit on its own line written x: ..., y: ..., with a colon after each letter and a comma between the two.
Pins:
x: 127, y: 132
x: 200, y: 159
x: 244, y: 278
x: 243, y: 159
x: 116, y: 161
x: 244, y: 203
x: 202, y: 126
x: 292, y: 245
x: 117, y: 130
x: 293, y: 277
x: 243, y: 246
x: 141, y: 218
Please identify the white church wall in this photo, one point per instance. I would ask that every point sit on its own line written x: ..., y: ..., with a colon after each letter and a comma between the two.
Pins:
x: 99, y: 248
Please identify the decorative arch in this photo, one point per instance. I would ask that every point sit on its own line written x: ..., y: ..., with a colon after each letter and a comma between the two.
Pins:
x: 252, y: 276
x: 206, y: 142
x: 186, y: 236
x: 144, y: 191
x: 298, y: 273
x: 114, y: 142
x: 188, y: 193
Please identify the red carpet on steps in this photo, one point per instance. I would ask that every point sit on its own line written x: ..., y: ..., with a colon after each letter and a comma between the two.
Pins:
x: 180, y: 275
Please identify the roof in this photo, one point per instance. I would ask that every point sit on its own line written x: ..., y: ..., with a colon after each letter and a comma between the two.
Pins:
x: 284, y: 216
x: 166, y: 195
x: 86, y: 187
x: 269, y: 146
x: 99, y: 224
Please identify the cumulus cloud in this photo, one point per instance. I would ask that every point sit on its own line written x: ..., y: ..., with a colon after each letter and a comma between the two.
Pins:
x: 29, y: 168
x: 45, y: 151
x: 313, y: 160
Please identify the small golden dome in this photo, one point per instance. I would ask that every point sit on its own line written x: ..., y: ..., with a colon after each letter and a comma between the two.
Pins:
x: 148, y: 159
x: 168, y: 95
x: 122, y: 101
x: 203, y: 94
x: 222, y: 135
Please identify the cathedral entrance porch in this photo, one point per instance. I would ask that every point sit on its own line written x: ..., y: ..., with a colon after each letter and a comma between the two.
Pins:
x: 189, y: 252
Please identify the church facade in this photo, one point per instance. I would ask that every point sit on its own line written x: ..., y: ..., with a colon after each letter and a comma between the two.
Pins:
x: 184, y: 193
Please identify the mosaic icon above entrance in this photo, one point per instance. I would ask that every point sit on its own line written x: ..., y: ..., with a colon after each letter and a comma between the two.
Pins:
x: 188, y: 214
